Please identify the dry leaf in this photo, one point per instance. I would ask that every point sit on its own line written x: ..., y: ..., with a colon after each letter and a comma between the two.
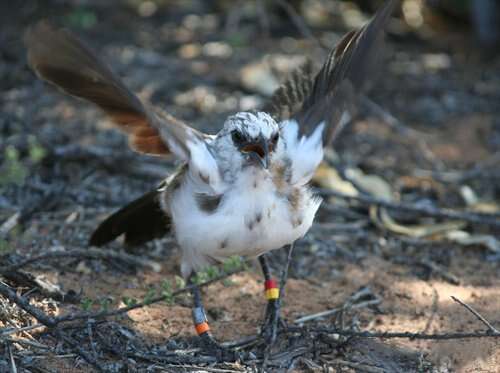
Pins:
x: 327, y: 177
x: 466, y: 239
x: 372, y: 184
x: 383, y: 219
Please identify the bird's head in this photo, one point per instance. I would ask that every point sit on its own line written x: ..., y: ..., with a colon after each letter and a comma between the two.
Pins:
x: 254, y: 136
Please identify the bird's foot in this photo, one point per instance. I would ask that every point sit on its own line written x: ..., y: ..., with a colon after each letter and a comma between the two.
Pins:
x: 272, y: 323
x: 221, y: 353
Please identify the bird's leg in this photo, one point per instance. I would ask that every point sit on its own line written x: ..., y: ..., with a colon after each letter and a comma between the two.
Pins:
x: 203, y: 330
x: 274, y: 295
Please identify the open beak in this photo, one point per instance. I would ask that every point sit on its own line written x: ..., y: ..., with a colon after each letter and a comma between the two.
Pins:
x: 258, y: 151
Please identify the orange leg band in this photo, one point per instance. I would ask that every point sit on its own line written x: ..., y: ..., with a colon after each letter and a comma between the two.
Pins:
x: 202, y: 328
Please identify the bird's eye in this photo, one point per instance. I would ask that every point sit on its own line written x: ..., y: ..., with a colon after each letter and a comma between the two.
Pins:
x: 237, y: 137
x: 275, y: 138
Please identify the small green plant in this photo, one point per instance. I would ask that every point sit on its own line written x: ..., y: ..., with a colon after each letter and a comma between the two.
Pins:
x: 12, y: 171
x: 4, y: 246
x: 237, y: 39
x: 233, y: 263
x: 150, y: 294
x: 212, y: 272
x: 104, y: 304
x: 200, y: 278
x: 227, y: 282
x: 82, y: 18
x: 167, y: 292
x: 86, y: 304
x: 36, y: 151
x: 129, y: 302
x: 180, y: 283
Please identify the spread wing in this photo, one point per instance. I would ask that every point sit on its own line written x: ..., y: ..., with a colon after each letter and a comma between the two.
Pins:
x: 140, y: 221
x: 312, y: 99
x: 62, y: 59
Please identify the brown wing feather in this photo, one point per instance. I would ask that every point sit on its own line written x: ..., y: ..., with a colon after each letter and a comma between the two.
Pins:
x: 290, y: 96
x: 60, y: 58
x: 325, y: 96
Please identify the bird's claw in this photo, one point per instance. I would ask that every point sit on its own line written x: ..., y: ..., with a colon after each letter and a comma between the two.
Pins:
x: 271, y: 325
x: 221, y: 353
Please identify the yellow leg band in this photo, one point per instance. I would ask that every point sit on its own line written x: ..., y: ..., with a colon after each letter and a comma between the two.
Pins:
x: 273, y: 293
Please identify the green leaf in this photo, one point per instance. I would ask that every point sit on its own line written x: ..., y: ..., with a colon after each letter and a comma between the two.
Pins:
x: 36, y: 151
x: 180, y: 283
x: 104, y: 303
x: 86, y: 304
x: 129, y: 301
x: 149, y: 295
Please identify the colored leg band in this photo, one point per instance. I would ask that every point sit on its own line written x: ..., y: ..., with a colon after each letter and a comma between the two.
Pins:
x: 272, y: 290
x: 202, y: 328
x: 200, y: 320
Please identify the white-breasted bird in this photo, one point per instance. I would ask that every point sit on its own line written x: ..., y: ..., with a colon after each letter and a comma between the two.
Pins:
x: 243, y: 191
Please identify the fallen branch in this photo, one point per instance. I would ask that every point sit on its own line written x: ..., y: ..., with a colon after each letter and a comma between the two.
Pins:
x: 352, y: 303
x: 474, y: 218
x: 434, y: 267
x: 122, y: 310
x: 75, y: 346
x: 333, y: 311
x: 91, y: 253
x: 22, y: 278
x: 392, y: 335
x: 491, y: 332
x: 52, y: 322
x: 481, y: 318
x: 25, y: 305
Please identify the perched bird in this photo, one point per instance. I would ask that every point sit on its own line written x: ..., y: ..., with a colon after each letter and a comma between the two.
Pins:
x: 243, y: 191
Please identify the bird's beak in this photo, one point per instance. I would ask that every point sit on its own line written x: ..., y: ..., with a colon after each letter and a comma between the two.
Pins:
x: 258, y: 151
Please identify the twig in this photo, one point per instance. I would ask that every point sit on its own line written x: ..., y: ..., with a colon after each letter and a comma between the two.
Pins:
x: 246, y: 341
x: 434, y: 310
x: 9, y: 331
x: 119, y: 311
x: 80, y: 351
x: 359, y: 366
x: 22, y: 278
x: 392, y: 335
x: 9, y: 224
x: 27, y: 343
x: 299, y: 23
x: 480, y: 170
x: 403, y: 129
x: 481, y: 318
x: 24, y: 304
x: 434, y: 267
x: 13, y: 368
x: 475, y: 218
x: 333, y: 311
x: 52, y: 322
x: 91, y: 253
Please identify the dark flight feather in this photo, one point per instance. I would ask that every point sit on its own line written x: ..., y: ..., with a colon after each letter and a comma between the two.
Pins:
x: 290, y: 96
x: 311, y: 99
x: 143, y: 219
x: 140, y: 221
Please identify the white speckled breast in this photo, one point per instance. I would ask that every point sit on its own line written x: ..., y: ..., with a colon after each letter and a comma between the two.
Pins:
x: 251, y: 218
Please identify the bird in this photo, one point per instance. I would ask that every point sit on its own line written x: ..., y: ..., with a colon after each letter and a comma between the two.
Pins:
x: 243, y: 191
